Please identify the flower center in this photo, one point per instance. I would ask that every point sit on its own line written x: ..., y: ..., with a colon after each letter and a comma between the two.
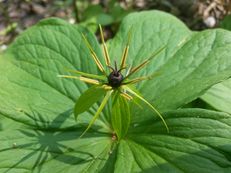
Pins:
x: 115, y: 78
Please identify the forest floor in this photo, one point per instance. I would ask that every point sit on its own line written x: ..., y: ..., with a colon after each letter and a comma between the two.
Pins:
x: 18, y: 15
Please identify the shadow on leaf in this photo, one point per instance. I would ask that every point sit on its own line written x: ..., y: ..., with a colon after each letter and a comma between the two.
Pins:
x: 46, y: 143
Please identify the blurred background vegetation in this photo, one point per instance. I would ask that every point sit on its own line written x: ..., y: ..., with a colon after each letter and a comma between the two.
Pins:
x: 17, y: 15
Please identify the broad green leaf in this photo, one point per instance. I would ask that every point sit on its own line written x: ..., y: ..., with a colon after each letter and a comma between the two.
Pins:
x: 219, y: 96
x: 88, y: 98
x: 200, y: 63
x: 199, y: 141
x: 30, y: 77
x: 120, y: 116
x: 32, y: 94
x: 190, y: 64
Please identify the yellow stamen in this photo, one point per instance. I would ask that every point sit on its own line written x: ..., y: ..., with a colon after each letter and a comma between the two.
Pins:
x: 105, y: 51
x: 107, y: 87
x: 133, y: 81
x: 88, y: 80
x: 126, y: 96
x: 84, y: 79
x: 97, y: 61
x: 137, y: 68
x: 87, y: 74
x: 125, y: 52
x: 93, y: 54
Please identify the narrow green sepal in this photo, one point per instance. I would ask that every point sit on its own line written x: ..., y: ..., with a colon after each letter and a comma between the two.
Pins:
x: 88, y: 98
x: 102, y: 105
x: 93, y: 76
x: 147, y: 103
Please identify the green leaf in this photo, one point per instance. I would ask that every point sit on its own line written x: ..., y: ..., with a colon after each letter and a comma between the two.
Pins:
x: 207, y: 63
x: 199, y: 141
x: 38, y: 56
x: 120, y: 116
x: 7, y: 124
x: 190, y: 64
x: 219, y: 96
x: 88, y: 98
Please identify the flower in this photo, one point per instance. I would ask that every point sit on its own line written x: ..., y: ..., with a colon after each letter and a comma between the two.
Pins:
x: 114, y: 82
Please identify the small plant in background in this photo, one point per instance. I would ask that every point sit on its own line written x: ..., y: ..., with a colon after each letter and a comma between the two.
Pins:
x: 114, y: 84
